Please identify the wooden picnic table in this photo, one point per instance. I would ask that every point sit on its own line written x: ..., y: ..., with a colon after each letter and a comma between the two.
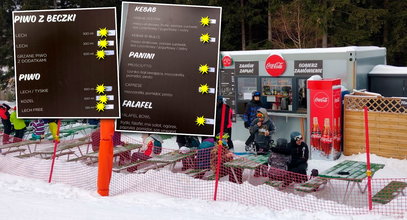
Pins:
x: 94, y: 156
x: 354, y: 172
x: 248, y: 162
x: 251, y: 162
x: 350, y: 170
x: 26, y: 143
x: 67, y: 147
x: 170, y: 158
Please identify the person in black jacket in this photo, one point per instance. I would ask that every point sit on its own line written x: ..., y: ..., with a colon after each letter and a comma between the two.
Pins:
x: 5, y: 119
x: 250, y: 114
x: 299, y: 152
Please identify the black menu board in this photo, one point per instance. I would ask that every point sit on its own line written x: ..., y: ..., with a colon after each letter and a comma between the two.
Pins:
x: 168, y: 68
x: 66, y: 63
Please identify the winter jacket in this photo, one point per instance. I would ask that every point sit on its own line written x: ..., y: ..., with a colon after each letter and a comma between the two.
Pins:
x: 5, y: 118
x: 299, y: 153
x: 204, y: 153
x: 39, y: 127
x: 18, y: 124
x: 259, y: 131
x: 227, y: 119
x: 152, y: 145
x: 251, y: 111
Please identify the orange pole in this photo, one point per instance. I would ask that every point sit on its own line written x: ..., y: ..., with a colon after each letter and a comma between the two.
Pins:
x: 105, y: 156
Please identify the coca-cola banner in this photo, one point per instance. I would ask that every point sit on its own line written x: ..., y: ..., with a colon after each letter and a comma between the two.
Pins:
x: 308, y: 67
x: 247, y: 68
x: 325, y: 122
x: 275, y: 65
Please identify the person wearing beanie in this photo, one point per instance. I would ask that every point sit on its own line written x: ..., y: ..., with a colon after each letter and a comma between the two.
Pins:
x: 299, y: 152
x: 250, y: 113
x: 262, y: 128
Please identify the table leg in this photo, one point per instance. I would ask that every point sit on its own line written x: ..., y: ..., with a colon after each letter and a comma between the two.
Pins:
x: 348, y: 191
x: 234, y: 174
x: 362, y: 190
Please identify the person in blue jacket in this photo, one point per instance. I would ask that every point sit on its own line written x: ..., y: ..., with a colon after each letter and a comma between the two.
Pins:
x: 250, y: 114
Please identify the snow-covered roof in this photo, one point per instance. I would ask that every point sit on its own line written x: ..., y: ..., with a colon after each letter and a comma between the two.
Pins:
x: 307, y: 50
x: 387, y: 69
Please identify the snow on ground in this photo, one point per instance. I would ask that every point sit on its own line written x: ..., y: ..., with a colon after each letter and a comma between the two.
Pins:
x: 24, y: 198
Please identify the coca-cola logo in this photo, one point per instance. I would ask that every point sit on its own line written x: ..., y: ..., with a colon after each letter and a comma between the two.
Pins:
x: 227, y: 61
x: 321, y: 100
x: 275, y: 65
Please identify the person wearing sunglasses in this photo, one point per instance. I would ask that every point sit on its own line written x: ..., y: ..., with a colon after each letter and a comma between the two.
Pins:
x: 299, y: 152
x: 262, y: 128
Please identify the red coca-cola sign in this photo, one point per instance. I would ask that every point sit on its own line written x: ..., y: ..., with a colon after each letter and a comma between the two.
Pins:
x: 321, y: 100
x: 275, y: 65
x: 227, y: 61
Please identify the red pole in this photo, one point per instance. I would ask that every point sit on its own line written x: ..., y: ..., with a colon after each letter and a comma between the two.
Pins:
x: 56, y: 142
x: 368, y: 171
x: 220, y: 146
x: 105, y: 163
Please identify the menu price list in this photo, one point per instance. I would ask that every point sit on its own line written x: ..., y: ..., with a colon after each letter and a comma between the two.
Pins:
x: 66, y: 63
x: 169, y: 61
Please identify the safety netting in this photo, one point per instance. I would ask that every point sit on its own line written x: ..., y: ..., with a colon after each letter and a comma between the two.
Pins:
x: 193, y: 174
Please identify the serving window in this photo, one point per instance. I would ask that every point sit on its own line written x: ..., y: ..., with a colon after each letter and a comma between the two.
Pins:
x: 278, y: 93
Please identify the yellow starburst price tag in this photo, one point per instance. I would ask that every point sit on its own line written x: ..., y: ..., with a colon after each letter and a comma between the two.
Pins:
x: 103, y: 32
x: 205, y: 21
x: 103, y: 99
x: 100, y: 89
x: 204, y: 69
x: 204, y: 89
x: 100, y: 107
x: 200, y: 121
x: 205, y: 38
x: 103, y: 44
x: 100, y: 54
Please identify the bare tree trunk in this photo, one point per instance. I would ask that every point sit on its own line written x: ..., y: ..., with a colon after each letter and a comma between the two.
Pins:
x: 385, y: 25
x: 269, y: 33
x: 243, y: 26
x: 324, y: 39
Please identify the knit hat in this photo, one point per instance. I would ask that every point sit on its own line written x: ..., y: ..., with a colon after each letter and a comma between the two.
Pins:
x: 294, y: 134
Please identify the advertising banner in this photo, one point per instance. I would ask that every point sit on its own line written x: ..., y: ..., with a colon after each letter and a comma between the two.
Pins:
x: 325, y: 113
x: 169, y: 63
x: 66, y: 63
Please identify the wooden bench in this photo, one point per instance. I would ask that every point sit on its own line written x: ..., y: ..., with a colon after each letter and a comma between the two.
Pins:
x: 120, y: 168
x: 311, y: 185
x: 27, y: 155
x: 49, y: 156
x: 389, y: 192
x: 195, y: 172
x: 275, y: 183
x: 13, y: 151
